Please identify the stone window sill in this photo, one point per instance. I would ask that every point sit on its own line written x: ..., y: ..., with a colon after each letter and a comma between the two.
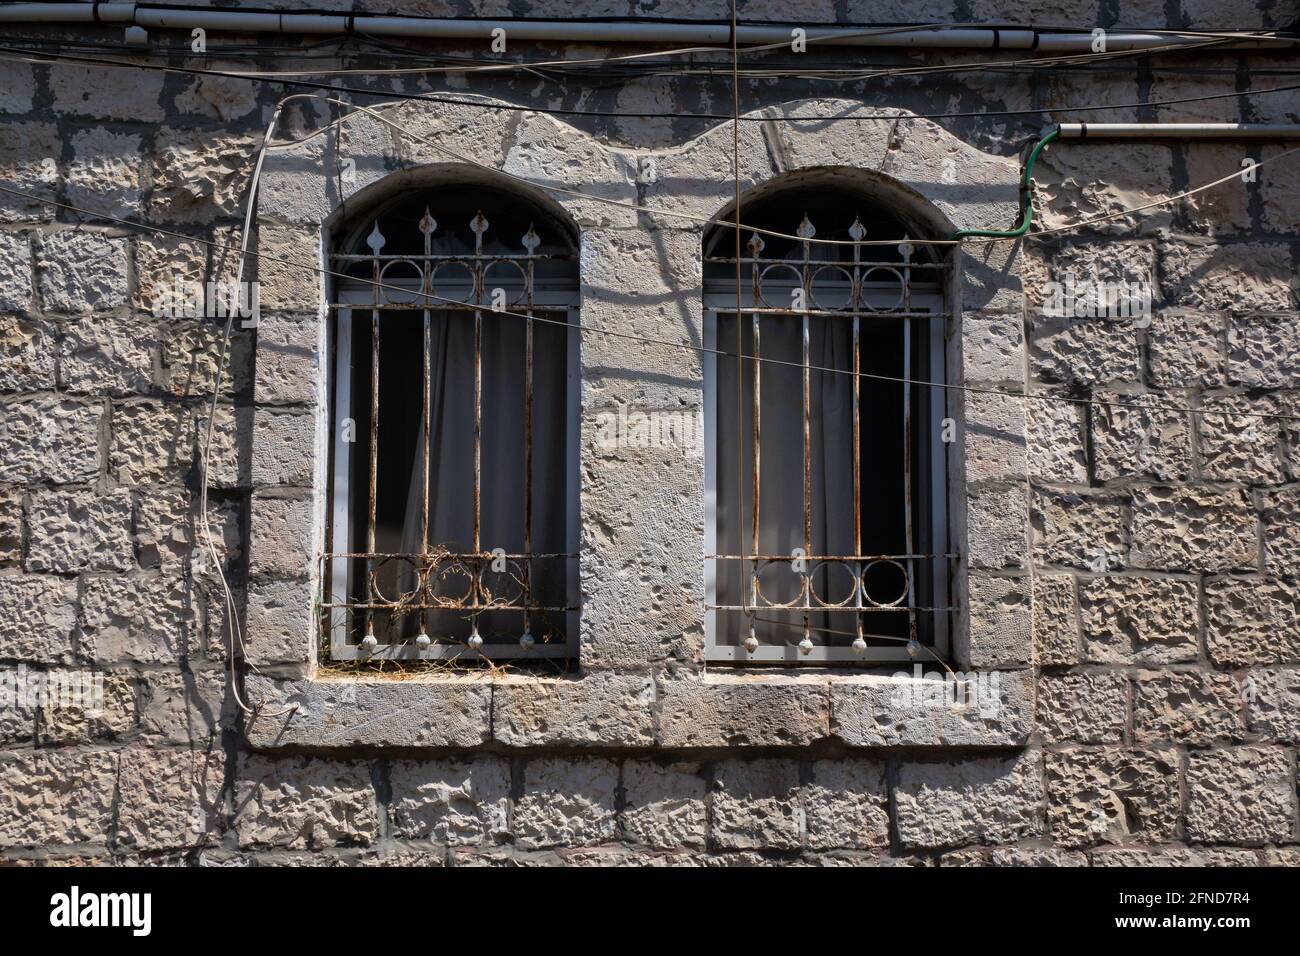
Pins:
x: 636, y: 712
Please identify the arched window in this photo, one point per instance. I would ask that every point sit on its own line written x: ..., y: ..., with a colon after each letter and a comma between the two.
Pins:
x: 825, y: 466
x: 453, y: 520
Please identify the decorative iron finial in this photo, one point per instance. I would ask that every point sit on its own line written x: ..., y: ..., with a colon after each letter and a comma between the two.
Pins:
x: 905, y: 248
x: 427, y: 222
x: 857, y: 231
x: 375, y: 240
x: 756, y: 245
x: 531, y: 240
x: 805, y: 230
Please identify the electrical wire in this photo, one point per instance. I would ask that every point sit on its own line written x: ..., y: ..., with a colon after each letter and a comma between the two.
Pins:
x: 42, y: 58
x: 232, y: 615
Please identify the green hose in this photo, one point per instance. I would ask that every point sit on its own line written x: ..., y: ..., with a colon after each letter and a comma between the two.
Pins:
x: 1026, y: 197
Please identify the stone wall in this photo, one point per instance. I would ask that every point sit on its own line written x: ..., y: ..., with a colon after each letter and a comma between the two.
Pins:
x: 1128, y: 571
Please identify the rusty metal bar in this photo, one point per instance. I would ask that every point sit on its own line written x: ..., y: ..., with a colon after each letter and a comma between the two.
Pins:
x: 479, y: 225
x: 806, y: 232
x: 530, y: 241
x: 756, y: 298
x: 376, y: 242
x: 427, y: 226
x: 906, y: 249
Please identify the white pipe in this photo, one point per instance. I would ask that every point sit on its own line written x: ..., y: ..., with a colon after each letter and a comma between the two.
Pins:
x: 1179, y: 131
x: 639, y: 31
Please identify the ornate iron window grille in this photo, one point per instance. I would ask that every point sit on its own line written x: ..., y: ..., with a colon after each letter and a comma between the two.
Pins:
x: 484, y: 580
x: 858, y: 287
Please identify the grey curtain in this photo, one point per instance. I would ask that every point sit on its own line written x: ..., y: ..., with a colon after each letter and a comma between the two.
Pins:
x: 781, y: 521
x: 502, y: 472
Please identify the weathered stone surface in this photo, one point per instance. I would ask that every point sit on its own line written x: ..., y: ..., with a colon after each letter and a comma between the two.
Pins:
x: 283, y: 446
x: 1083, y: 352
x: 53, y: 797
x: 994, y: 435
x: 354, y: 712
x: 1177, y: 856
x: 1139, y: 436
x: 288, y: 363
x: 11, y: 526
x: 151, y: 442
x: 985, y: 800
x: 216, y: 97
x: 756, y: 806
x: 186, y: 707
x: 196, y: 177
x: 1112, y: 796
x: 283, y: 627
x: 79, y: 530
x: 1226, y: 208
x: 1192, y: 708
x: 49, y: 439
x: 1137, y: 620
x: 107, y: 93
x: 596, y: 710
x: 1272, y: 698
x: 163, y: 536
x: 37, y: 617
x: 1252, y: 621
x: 170, y: 799
x: 190, y: 350
x: 1079, y: 531
x: 1240, y: 439
x: 664, y: 804
x: 1087, y: 708
x: 999, y: 622
x: 743, y: 711
x: 107, y: 355
x: 1082, y: 269
x: 1093, y: 179
x: 1185, y: 348
x: 304, y: 803
x: 1013, y: 856
x: 29, y: 350
x: 104, y: 175
x: 1261, y: 351
x: 83, y: 706
x: 846, y: 806
x: 451, y: 802
x: 81, y: 271
x: 1242, y: 277
x: 566, y: 802
x: 1056, y: 436
x: 1193, y: 529
x: 1280, y: 516
x: 993, y: 347
x: 136, y: 619
x: 1055, y: 620
x: 17, y: 715
x: 1245, y: 795
x: 996, y: 709
x: 15, y: 276
x: 29, y: 163
x: 995, y: 529
x: 280, y: 536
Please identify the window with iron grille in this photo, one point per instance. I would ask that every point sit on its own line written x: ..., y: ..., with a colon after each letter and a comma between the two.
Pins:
x: 826, y: 518
x: 453, y: 522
